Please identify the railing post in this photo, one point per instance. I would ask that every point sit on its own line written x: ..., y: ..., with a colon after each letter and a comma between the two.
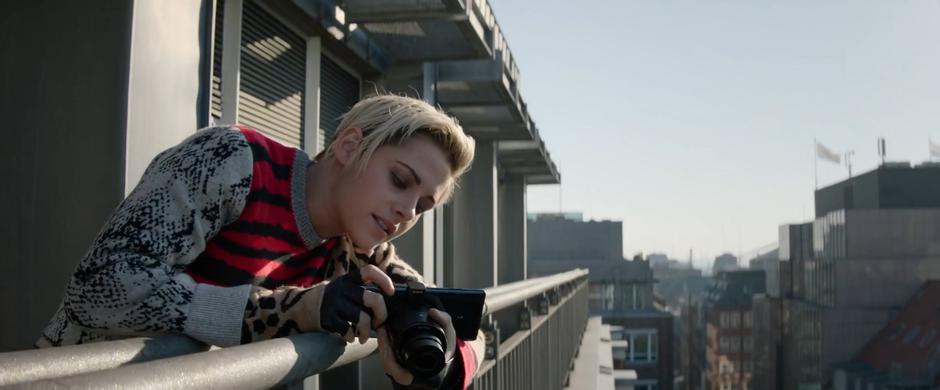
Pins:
x: 491, y: 335
x: 543, y: 304
x: 525, y: 317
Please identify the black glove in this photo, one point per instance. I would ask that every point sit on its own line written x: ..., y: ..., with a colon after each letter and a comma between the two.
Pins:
x: 342, y: 302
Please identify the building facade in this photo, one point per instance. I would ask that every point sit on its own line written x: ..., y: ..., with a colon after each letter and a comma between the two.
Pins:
x: 116, y: 84
x: 852, y: 268
x: 729, y: 329
x: 725, y: 262
x: 621, y: 293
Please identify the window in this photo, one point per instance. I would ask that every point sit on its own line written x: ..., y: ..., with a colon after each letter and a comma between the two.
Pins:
x: 748, y: 320
x: 748, y: 343
x: 729, y: 344
x: 724, y: 367
x: 642, y: 346
x: 723, y: 321
x: 629, y: 297
x: 748, y: 367
x: 735, y: 319
x: 635, y: 384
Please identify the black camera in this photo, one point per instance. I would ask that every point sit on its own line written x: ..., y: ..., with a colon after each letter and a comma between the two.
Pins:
x: 418, y: 342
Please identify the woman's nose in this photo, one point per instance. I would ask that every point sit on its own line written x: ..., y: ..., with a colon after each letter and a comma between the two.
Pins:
x: 406, y: 210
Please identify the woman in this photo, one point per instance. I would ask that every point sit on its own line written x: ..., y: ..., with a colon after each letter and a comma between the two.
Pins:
x: 231, y: 237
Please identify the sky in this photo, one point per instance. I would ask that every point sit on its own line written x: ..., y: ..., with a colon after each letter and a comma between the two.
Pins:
x: 693, y: 122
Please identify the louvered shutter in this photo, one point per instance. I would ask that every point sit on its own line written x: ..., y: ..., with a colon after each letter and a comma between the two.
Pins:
x: 339, y: 91
x: 215, y: 108
x: 271, y: 95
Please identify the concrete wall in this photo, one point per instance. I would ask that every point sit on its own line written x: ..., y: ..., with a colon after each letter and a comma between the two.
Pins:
x: 164, y: 105
x: 845, y: 332
x: 558, y: 238
x: 512, y: 229
x: 63, y: 99
x: 470, y: 242
x: 892, y: 233
x: 881, y: 283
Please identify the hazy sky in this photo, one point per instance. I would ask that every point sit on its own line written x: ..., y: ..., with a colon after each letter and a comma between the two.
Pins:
x: 693, y: 121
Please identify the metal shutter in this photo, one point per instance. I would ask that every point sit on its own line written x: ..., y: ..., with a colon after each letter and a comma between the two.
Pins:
x: 339, y: 91
x: 215, y: 108
x: 271, y: 96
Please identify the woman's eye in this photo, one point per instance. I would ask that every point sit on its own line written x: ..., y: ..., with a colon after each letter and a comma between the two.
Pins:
x: 398, y: 181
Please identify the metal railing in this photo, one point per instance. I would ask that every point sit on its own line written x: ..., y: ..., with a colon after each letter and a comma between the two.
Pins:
x: 552, y: 313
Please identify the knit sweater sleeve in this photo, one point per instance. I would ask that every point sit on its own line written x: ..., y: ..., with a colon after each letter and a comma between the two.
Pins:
x: 131, y: 281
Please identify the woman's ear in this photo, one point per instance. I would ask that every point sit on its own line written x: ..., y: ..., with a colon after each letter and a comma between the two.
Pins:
x: 346, y: 145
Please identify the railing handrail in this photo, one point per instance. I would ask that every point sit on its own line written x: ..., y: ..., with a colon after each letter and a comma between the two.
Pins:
x: 36, y: 364
x: 285, y: 359
x: 501, y: 297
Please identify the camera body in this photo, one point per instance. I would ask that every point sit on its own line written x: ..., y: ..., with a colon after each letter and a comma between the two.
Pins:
x: 418, y: 341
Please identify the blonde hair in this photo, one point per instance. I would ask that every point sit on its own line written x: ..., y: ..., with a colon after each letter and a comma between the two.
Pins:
x: 391, y: 119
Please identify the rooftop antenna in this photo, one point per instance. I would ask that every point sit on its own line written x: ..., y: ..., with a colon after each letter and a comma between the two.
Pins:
x: 881, y: 149
x: 848, y: 161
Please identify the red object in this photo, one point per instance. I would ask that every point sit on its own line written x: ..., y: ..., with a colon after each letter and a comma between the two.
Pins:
x: 468, y: 357
x: 263, y: 246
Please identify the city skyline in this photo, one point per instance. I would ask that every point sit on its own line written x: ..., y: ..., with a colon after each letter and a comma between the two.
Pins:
x: 709, y: 112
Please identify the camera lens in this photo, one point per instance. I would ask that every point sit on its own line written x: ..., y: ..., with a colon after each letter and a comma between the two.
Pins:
x: 424, y: 356
x: 421, y: 349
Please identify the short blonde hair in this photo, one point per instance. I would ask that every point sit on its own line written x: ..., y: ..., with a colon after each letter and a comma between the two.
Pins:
x: 391, y: 119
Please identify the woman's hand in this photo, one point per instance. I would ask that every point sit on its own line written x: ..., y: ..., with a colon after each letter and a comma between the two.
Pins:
x: 350, y: 310
x: 402, y: 376
x: 341, y: 306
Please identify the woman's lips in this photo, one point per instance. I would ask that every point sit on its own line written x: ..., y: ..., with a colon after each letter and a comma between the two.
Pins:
x: 382, y: 225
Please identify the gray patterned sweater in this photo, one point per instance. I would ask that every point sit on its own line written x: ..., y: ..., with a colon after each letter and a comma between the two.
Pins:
x: 130, y: 282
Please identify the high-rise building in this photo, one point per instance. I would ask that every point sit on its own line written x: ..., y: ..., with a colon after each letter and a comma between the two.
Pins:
x: 872, y: 245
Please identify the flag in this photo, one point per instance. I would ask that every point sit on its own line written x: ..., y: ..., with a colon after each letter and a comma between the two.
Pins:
x: 827, y: 154
x: 934, y: 149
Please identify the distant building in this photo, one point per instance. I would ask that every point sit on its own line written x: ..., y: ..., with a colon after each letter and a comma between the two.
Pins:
x: 658, y: 260
x: 871, y: 247
x: 621, y: 292
x: 729, y: 329
x: 769, y: 262
x: 692, y: 364
x: 904, y: 354
x: 567, y: 237
x: 676, y: 282
x: 767, y: 343
x: 890, y: 186
x: 725, y: 262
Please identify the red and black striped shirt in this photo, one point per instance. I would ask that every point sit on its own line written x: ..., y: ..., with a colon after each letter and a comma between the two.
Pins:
x: 265, y: 246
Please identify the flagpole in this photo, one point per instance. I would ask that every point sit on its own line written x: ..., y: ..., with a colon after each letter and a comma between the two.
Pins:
x: 815, y: 171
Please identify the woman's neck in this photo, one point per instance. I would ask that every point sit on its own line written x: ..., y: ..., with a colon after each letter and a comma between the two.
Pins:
x: 320, y: 178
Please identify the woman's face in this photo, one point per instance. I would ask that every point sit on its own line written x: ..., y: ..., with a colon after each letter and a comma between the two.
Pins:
x: 399, y: 184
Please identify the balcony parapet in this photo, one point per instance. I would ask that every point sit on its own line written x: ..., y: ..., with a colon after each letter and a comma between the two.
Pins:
x: 179, y: 362
x: 414, y: 31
